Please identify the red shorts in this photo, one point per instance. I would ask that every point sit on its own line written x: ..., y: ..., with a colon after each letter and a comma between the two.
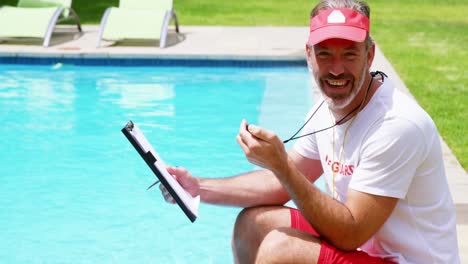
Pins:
x: 328, y: 253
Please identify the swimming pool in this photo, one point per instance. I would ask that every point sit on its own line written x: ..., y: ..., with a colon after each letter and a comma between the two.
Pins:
x: 72, y: 189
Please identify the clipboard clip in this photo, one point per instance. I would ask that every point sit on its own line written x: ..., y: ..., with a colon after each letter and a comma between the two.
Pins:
x: 152, y: 185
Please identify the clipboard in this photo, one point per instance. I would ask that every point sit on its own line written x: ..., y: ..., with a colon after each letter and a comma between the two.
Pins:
x: 186, y: 202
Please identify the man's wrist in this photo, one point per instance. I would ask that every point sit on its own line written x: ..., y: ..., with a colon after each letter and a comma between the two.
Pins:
x: 283, y: 169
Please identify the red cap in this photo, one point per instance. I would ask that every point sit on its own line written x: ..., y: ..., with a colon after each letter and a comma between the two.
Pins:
x: 342, y: 23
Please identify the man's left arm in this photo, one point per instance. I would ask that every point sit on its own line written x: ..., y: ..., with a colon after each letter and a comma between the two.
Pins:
x: 346, y: 226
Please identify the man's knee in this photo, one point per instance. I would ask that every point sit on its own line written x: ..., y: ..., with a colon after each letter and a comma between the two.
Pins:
x: 285, y: 245
x: 253, y: 224
x: 247, y: 235
x: 245, y: 218
x: 272, y: 247
x: 258, y: 221
x: 247, y: 224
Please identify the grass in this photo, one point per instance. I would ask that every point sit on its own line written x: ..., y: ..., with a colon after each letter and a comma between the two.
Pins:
x: 425, y: 42
x: 423, y: 39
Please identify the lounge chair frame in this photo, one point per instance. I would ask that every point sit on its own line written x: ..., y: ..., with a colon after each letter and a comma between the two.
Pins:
x: 54, y: 20
x: 168, y: 17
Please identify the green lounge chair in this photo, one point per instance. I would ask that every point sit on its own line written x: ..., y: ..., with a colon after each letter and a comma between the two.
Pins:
x: 35, y: 19
x: 138, y: 19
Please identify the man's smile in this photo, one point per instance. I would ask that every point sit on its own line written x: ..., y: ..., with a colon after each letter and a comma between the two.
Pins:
x: 337, y: 86
x: 337, y: 83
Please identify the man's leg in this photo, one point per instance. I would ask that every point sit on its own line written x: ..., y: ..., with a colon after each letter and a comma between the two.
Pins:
x: 263, y: 227
x: 288, y: 245
x: 277, y: 234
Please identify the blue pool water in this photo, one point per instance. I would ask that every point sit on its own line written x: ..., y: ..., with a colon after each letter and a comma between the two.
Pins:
x: 72, y: 188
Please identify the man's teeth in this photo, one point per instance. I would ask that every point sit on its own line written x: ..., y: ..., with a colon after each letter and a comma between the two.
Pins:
x: 337, y: 83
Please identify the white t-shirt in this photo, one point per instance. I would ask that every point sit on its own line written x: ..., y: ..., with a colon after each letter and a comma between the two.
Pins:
x: 391, y: 149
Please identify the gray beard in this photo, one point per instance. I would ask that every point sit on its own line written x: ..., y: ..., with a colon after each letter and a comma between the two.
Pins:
x: 342, y: 103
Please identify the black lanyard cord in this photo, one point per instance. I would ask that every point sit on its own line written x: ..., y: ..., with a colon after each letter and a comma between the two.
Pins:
x: 299, y: 130
x: 293, y: 137
x: 317, y: 131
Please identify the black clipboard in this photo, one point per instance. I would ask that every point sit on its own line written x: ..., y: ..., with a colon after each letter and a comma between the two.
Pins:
x: 187, y: 203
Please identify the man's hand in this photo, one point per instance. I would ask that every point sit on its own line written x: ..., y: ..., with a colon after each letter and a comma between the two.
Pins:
x: 185, y: 179
x: 262, y: 147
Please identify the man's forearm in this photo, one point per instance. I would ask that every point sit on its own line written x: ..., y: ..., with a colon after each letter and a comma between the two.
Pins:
x: 244, y: 190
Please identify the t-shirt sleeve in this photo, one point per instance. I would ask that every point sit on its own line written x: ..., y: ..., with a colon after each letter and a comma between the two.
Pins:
x: 389, y: 159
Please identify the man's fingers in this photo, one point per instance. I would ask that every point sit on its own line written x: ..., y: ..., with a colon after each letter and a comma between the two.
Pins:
x: 243, y: 132
x: 244, y: 136
x: 241, y: 143
x: 167, y: 196
x: 164, y: 191
x: 170, y: 169
x: 248, y: 132
x: 261, y: 133
x: 174, y: 170
x: 169, y: 199
x: 243, y: 125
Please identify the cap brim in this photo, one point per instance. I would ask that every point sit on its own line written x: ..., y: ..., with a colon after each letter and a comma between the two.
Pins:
x: 340, y: 32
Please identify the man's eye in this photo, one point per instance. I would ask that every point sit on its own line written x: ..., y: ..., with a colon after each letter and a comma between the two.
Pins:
x: 322, y: 55
x: 350, y: 55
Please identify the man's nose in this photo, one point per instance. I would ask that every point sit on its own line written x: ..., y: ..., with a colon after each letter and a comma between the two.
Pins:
x: 337, y: 67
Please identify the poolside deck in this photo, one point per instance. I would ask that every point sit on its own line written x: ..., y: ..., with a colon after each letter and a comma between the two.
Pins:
x: 232, y: 43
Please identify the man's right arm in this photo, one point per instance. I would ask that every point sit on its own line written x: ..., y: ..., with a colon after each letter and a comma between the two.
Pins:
x: 244, y: 190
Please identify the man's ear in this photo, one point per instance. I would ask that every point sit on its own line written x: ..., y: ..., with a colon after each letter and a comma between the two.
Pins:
x: 309, y: 59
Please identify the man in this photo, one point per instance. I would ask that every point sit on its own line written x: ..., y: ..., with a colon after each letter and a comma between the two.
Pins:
x: 388, y: 199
